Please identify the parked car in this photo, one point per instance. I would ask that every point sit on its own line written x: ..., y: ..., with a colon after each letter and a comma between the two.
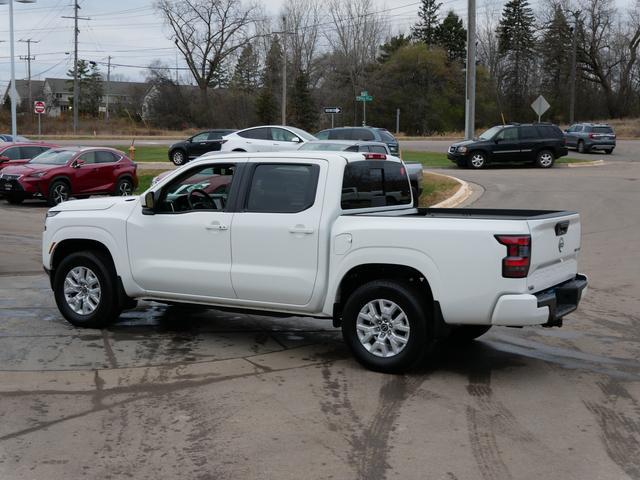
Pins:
x: 5, y: 137
x: 19, y: 153
x: 267, y: 138
x: 413, y: 168
x: 537, y: 143
x: 372, y: 134
x: 60, y: 173
x: 320, y: 234
x: 199, y: 144
x: 585, y: 137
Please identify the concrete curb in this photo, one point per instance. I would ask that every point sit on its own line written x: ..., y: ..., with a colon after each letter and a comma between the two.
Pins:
x: 594, y: 163
x: 463, y: 193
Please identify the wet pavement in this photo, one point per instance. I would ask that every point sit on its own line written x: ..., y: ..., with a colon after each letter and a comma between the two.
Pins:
x: 173, y: 392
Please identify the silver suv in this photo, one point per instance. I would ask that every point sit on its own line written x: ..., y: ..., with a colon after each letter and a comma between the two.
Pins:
x: 585, y: 137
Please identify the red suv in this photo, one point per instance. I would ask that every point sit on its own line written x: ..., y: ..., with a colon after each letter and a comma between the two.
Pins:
x: 60, y: 173
x: 19, y: 153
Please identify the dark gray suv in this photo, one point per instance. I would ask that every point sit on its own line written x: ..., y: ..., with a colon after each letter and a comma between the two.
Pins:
x: 585, y: 137
x: 367, y: 134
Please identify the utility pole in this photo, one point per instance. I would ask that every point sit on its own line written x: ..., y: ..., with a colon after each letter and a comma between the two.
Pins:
x: 28, y: 58
x: 106, y: 113
x: 76, y: 83
x: 284, y: 34
x: 470, y: 94
x: 574, y: 51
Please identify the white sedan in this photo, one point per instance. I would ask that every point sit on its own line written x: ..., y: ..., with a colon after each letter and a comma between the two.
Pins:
x: 268, y: 138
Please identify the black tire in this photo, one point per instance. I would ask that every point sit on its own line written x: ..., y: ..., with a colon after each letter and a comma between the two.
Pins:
x: 106, y: 310
x: 179, y: 157
x: 462, y: 163
x: 581, y: 147
x: 59, y: 191
x: 238, y: 150
x: 609, y: 151
x: 545, y: 159
x: 412, y: 304
x: 461, y: 334
x: 124, y: 187
x: 477, y: 160
x: 15, y: 199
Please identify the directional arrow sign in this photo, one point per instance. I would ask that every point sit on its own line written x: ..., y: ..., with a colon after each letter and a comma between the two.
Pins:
x: 540, y: 105
x: 332, y: 110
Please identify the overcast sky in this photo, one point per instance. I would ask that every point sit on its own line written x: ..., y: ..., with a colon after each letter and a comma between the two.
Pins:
x: 133, y: 34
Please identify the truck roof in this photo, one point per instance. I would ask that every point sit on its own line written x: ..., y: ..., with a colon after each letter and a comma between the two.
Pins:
x: 297, y: 154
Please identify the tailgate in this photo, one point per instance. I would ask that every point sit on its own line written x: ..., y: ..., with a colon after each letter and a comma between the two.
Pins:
x: 555, y: 244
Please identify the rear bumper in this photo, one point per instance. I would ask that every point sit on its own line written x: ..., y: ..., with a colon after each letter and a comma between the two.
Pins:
x: 543, y: 308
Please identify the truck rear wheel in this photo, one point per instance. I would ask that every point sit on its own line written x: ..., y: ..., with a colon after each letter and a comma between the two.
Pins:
x: 84, y: 288
x: 384, y: 323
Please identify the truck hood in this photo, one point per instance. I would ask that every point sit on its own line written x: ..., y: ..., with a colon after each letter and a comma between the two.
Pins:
x: 90, y: 204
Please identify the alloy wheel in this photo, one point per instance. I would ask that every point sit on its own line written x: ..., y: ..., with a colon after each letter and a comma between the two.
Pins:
x: 545, y: 159
x: 82, y: 290
x: 477, y: 160
x: 125, y: 188
x: 383, y: 328
x: 60, y: 193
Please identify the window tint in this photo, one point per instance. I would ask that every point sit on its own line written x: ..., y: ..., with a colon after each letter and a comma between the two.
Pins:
x: 578, y: 128
x: 257, y: 134
x: 508, y: 134
x: 374, y: 184
x: 548, y: 131
x: 354, y: 148
x: 103, y: 156
x: 377, y: 149
x: 12, y: 153
x: 602, y: 130
x: 282, y: 135
x: 528, y: 133
x: 89, y: 157
x: 282, y: 188
x: 323, y: 135
x: 201, y: 137
x: 216, y: 135
x: 362, y: 134
x: 201, y: 188
x: 386, y: 136
x: 341, y: 134
x: 30, y: 152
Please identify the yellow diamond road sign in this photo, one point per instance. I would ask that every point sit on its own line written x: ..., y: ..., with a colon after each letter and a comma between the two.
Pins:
x: 540, y: 105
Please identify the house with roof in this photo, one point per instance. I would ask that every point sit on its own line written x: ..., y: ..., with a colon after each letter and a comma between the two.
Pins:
x: 22, y: 90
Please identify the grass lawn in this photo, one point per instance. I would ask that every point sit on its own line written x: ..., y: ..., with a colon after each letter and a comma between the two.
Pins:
x: 434, y: 159
x: 147, y: 153
x: 436, y: 188
x: 144, y: 179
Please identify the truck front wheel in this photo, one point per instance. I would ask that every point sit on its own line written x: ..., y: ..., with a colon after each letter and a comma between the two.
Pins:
x: 384, y: 323
x: 84, y: 287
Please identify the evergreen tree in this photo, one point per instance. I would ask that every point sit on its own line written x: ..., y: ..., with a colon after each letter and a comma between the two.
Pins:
x: 267, y: 101
x: 304, y: 113
x: 91, y: 90
x: 392, y: 45
x: 452, y: 36
x: 516, y: 43
x: 425, y: 30
x: 555, y: 49
x: 246, y: 76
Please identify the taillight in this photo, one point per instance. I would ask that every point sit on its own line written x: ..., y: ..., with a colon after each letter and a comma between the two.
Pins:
x: 516, y: 263
x: 375, y: 156
x: 592, y: 135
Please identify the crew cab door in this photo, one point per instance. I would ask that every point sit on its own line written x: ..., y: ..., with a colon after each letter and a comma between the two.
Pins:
x: 276, y: 232
x: 183, y: 249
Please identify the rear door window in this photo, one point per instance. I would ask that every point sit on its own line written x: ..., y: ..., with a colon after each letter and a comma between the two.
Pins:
x: 608, y: 130
x: 341, y: 134
x: 282, y: 188
x: 261, y: 133
x: 30, y: 152
x: 12, y: 153
x: 105, y: 157
x: 374, y: 184
x: 89, y: 157
x: 363, y: 134
x: 529, y: 133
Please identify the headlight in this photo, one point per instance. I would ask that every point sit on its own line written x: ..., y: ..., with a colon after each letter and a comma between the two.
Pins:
x: 462, y: 149
x: 37, y: 174
x: 52, y: 213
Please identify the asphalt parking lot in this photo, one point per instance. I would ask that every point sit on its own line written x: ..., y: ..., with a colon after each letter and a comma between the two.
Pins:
x: 174, y: 393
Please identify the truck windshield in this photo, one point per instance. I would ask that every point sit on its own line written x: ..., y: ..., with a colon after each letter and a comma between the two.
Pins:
x: 489, y: 134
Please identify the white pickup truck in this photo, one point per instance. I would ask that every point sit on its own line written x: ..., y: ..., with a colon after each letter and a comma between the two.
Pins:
x: 329, y: 235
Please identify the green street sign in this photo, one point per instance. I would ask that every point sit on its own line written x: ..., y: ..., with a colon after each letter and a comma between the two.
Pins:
x: 364, y: 98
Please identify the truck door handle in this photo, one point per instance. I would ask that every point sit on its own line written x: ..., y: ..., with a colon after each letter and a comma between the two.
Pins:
x: 301, y: 229
x: 216, y: 226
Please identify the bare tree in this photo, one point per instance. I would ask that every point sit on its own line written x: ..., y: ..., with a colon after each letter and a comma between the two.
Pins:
x: 302, y: 18
x: 207, y: 33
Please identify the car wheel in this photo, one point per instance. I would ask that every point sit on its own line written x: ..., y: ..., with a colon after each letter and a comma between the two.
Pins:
x: 59, y: 192
x: 124, y: 188
x: 178, y: 157
x: 467, y: 333
x: 384, y: 324
x: 545, y: 159
x: 581, y: 148
x: 15, y: 199
x: 84, y: 288
x: 609, y: 151
x: 477, y: 160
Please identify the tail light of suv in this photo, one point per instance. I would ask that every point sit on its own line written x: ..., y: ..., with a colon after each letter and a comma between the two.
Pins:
x: 516, y: 263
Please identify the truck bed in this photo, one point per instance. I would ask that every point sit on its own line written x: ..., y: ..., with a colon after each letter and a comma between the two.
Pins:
x: 475, y: 213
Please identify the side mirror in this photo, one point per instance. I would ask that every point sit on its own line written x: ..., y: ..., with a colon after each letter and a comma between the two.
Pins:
x: 296, y: 140
x: 149, y: 203
x: 496, y: 140
x: 77, y: 163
